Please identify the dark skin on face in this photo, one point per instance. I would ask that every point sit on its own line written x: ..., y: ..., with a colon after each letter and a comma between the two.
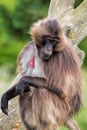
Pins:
x: 47, y: 46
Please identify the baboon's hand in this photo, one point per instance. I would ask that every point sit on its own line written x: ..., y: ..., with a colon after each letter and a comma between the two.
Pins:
x: 4, y: 104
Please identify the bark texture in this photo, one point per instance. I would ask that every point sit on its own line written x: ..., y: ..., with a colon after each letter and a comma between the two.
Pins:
x: 74, y: 22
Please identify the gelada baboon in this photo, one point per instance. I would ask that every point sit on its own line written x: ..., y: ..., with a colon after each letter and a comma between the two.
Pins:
x: 49, y: 98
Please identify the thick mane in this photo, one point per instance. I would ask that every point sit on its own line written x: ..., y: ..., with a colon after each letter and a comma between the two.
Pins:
x: 47, y: 27
x: 64, y: 66
x: 51, y: 28
x: 64, y: 61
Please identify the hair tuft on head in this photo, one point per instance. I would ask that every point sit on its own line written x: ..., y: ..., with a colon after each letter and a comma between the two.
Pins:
x: 46, y: 27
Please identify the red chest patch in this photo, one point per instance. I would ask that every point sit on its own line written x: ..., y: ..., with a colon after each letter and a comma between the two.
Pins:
x: 31, y: 62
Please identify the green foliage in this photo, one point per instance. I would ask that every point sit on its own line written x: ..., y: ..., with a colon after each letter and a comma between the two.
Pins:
x: 9, y: 4
x: 77, y: 2
x: 16, y: 18
x: 24, y: 13
x: 83, y: 46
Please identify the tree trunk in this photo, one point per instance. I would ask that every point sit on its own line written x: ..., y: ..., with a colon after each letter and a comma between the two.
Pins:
x: 74, y: 22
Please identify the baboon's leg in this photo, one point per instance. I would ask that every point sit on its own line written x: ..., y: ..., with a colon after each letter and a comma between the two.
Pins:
x: 26, y: 111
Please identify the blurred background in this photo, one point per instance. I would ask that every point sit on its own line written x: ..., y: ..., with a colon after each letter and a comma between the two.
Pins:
x: 16, y: 16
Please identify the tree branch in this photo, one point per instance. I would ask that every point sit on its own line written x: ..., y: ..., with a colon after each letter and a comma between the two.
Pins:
x: 8, y: 122
x: 80, y: 22
x: 74, y: 21
x: 57, y: 7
